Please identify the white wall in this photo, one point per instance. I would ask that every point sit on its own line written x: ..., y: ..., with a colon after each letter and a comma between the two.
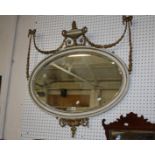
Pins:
x: 7, y: 37
x: 26, y: 121
x: 13, y: 48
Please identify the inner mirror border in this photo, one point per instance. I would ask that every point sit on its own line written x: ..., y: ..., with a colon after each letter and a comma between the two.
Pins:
x: 75, y: 50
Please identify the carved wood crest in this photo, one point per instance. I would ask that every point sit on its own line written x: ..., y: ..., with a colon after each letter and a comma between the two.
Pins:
x: 131, y: 122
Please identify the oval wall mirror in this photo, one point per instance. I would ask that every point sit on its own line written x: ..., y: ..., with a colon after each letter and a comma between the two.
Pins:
x: 79, y: 79
x: 79, y: 82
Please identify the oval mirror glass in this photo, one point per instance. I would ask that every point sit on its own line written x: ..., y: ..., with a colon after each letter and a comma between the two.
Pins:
x: 79, y: 82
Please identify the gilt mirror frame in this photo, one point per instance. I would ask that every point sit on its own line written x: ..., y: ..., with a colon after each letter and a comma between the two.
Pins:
x: 76, y: 41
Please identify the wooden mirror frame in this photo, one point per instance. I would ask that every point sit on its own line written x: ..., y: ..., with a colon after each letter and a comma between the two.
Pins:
x: 131, y: 122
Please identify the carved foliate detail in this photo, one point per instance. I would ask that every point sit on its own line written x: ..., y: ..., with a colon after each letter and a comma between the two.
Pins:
x: 72, y: 36
x: 77, y: 37
x: 73, y: 123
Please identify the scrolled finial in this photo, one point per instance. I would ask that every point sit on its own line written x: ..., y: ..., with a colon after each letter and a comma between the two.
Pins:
x: 74, y: 25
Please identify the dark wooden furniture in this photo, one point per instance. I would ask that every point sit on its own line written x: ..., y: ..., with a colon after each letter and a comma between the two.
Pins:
x: 130, y: 127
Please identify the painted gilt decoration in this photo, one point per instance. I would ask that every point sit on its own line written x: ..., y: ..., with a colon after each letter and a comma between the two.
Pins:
x: 73, y: 124
x: 77, y: 37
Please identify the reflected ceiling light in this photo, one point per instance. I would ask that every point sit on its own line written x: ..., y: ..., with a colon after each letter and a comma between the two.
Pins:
x: 99, y: 99
x: 77, y: 102
x: 79, y: 55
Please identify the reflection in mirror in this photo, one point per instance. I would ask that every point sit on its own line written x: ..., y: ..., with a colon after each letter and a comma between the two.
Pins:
x: 132, y: 135
x: 78, y: 82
